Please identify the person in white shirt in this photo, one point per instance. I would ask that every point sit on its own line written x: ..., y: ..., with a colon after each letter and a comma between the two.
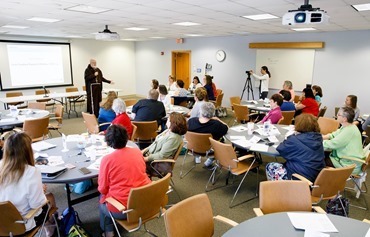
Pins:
x: 200, y: 97
x: 195, y: 84
x: 164, y: 97
x: 20, y: 180
x: 172, y: 85
x: 264, y: 81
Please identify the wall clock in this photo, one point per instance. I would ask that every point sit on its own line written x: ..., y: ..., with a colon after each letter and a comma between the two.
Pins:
x: 220, y: 55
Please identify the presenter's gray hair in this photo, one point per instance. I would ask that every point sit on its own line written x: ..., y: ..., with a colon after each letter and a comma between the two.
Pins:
x: 119, y: 106
x: 207, y: 110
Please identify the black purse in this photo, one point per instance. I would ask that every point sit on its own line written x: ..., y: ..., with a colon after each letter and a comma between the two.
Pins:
x: 338, y: 206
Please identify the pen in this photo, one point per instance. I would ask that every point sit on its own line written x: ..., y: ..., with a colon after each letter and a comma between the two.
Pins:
x: 79, y: 161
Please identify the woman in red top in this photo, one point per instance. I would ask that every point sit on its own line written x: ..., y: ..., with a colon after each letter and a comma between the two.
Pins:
x: 308, y: 105
x: 119, y: 171
x: 119, y: 107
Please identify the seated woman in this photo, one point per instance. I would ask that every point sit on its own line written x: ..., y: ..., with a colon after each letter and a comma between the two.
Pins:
x: 274, y: 115
x: 351, y: 101
x: 200, y: 96
x: 20, y: 180
x: 345, y: 142
x: 208, y: 85
x: 287, y: 104
x: 303, y: 152
x: 195, y: 84
x: 167, y: 143
x: 164, y: 97
x: 308, y: 105
x: 180, y: 89
x: 172, y: 85
x: 288, y: 86
x: 119, y: 171
x: 106, y: 114
x: 155, y: 84
x: 317, y: 91
x: 119, y: 107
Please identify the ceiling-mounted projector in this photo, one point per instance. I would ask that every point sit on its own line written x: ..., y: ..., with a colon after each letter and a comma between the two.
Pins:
x: 306, y: 14
x: 107, y: 35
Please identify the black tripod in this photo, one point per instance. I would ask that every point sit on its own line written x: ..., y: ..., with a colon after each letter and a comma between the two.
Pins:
x: 248, y: 84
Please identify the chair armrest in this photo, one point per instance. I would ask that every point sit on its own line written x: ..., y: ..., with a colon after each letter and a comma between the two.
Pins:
x: 165, y: 160
x: 115, y: 203
x: 17, y: 129
x: 226, y: 220
x: 103, y: 124
x: 318, y: 209
x: 258, y: 211
x: 302, y: 178
x: 34, y: 211
x: 55, y: 118
x: 366, y: 221
x: 354, y: 159
x: 245, y: 157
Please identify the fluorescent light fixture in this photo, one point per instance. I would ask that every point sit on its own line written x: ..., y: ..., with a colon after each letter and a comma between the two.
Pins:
x: 303, y: 29
x: 186, y: 23
x: 193, y: 35
x: 128, y: 39
x: 87, y: 9
x: 260, y: 17
x: 157, y: 37
x: 242, y: 33
x: 74, y: 36
x: 136, y: 28
x: 15, y: 27
x: 40, y: 19
x: 3, y: 32
x: 362, y: 7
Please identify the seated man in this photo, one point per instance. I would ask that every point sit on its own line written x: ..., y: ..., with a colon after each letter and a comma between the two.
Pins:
x: 208, y: 123
x: 149, y: 109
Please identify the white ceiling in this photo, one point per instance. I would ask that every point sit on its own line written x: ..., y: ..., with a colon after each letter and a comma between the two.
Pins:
x: 217, y: 17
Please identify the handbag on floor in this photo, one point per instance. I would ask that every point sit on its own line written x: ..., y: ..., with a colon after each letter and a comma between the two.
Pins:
x: 338, y: 206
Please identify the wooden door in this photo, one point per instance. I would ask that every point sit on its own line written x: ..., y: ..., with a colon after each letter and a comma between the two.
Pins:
x: 181, y: 66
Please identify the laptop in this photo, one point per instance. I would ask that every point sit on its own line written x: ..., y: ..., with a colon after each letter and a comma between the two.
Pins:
x: 51, y: 172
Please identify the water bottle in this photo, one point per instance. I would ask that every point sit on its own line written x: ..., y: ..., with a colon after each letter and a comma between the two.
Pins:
x: 266, y: 126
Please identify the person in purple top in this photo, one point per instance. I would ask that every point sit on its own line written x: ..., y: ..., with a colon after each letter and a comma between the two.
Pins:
x: 275, y: 113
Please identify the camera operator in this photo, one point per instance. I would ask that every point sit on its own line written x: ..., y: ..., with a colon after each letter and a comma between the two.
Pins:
x: 264, y: 81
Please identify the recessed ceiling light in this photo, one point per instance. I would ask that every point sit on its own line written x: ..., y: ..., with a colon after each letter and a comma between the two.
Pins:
x: 193, y: 35
x: 87, y: 9
x: 186, y: 23
x: 303, y: 29
x: 260, y: 17
x: 40, y: 19
x: 136, y: 28
x: 157, y: 37
x: 15, y: 27
x: 362, y: 7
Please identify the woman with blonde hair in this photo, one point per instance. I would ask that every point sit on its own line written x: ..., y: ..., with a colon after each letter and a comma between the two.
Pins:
x: 20, y: 180
x: 106, y: 114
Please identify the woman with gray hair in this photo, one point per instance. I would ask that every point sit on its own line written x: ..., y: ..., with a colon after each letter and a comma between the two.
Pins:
x: 345, y: 142
x: 288, y: 86
x: 207, y: 123
x: 119, y: 107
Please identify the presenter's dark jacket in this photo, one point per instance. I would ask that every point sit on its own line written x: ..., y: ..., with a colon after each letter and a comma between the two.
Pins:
x: 89, y: 79
x: 304, y: 154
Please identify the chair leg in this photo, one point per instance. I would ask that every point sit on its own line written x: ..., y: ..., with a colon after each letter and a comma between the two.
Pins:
x: 183, y: 163
x: 149, y: 232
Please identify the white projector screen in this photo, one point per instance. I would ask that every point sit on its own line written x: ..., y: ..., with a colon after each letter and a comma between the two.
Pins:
x: 26, y: 65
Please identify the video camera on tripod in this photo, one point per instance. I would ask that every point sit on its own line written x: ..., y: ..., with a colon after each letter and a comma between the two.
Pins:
x: 248, y: 84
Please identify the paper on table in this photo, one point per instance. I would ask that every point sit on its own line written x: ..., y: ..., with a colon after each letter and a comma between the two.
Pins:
x: 314, y: 233
x: 55, y: 160
x: 368, y: 233
x: 96, y: 164
x: 6, y: 120
x: 252, y: 101
x: 254, y: 139
x: 238, y: 138
x: 41, y: 146
x: 74, y: 138
x: 263, y: 108
x: 259, y: 147
x: 311, y: 221
x: 242, y: 143
x: 251, y: 106
x: 239, y: 128
x: 273, y: 139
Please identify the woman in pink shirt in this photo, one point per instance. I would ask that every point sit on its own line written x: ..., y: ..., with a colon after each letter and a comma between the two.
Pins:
x: 275, y: 113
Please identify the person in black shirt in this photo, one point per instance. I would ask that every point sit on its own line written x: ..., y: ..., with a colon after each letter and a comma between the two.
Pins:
x: 149, y: 109
x: 208, y: 123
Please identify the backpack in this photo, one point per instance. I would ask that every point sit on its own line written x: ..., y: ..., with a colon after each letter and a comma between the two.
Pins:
x: 78, y: 231
x: 68, y: 219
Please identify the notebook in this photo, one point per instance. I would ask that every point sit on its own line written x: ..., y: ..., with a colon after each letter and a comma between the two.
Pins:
x: 51, y: 172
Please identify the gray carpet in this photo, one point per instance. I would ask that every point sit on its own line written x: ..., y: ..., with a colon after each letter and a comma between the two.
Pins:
x: 193, y: 183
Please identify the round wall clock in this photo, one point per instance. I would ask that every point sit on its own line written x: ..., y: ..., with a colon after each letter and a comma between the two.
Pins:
x: 220, y: 55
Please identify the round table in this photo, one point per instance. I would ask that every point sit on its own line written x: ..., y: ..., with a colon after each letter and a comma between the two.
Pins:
x: 256, y: 105
x: 279, y: 224
x: 7, y: 120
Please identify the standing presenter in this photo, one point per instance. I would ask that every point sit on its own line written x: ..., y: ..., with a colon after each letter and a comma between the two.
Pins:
x: 94, y: 84
x: 264, y: 81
